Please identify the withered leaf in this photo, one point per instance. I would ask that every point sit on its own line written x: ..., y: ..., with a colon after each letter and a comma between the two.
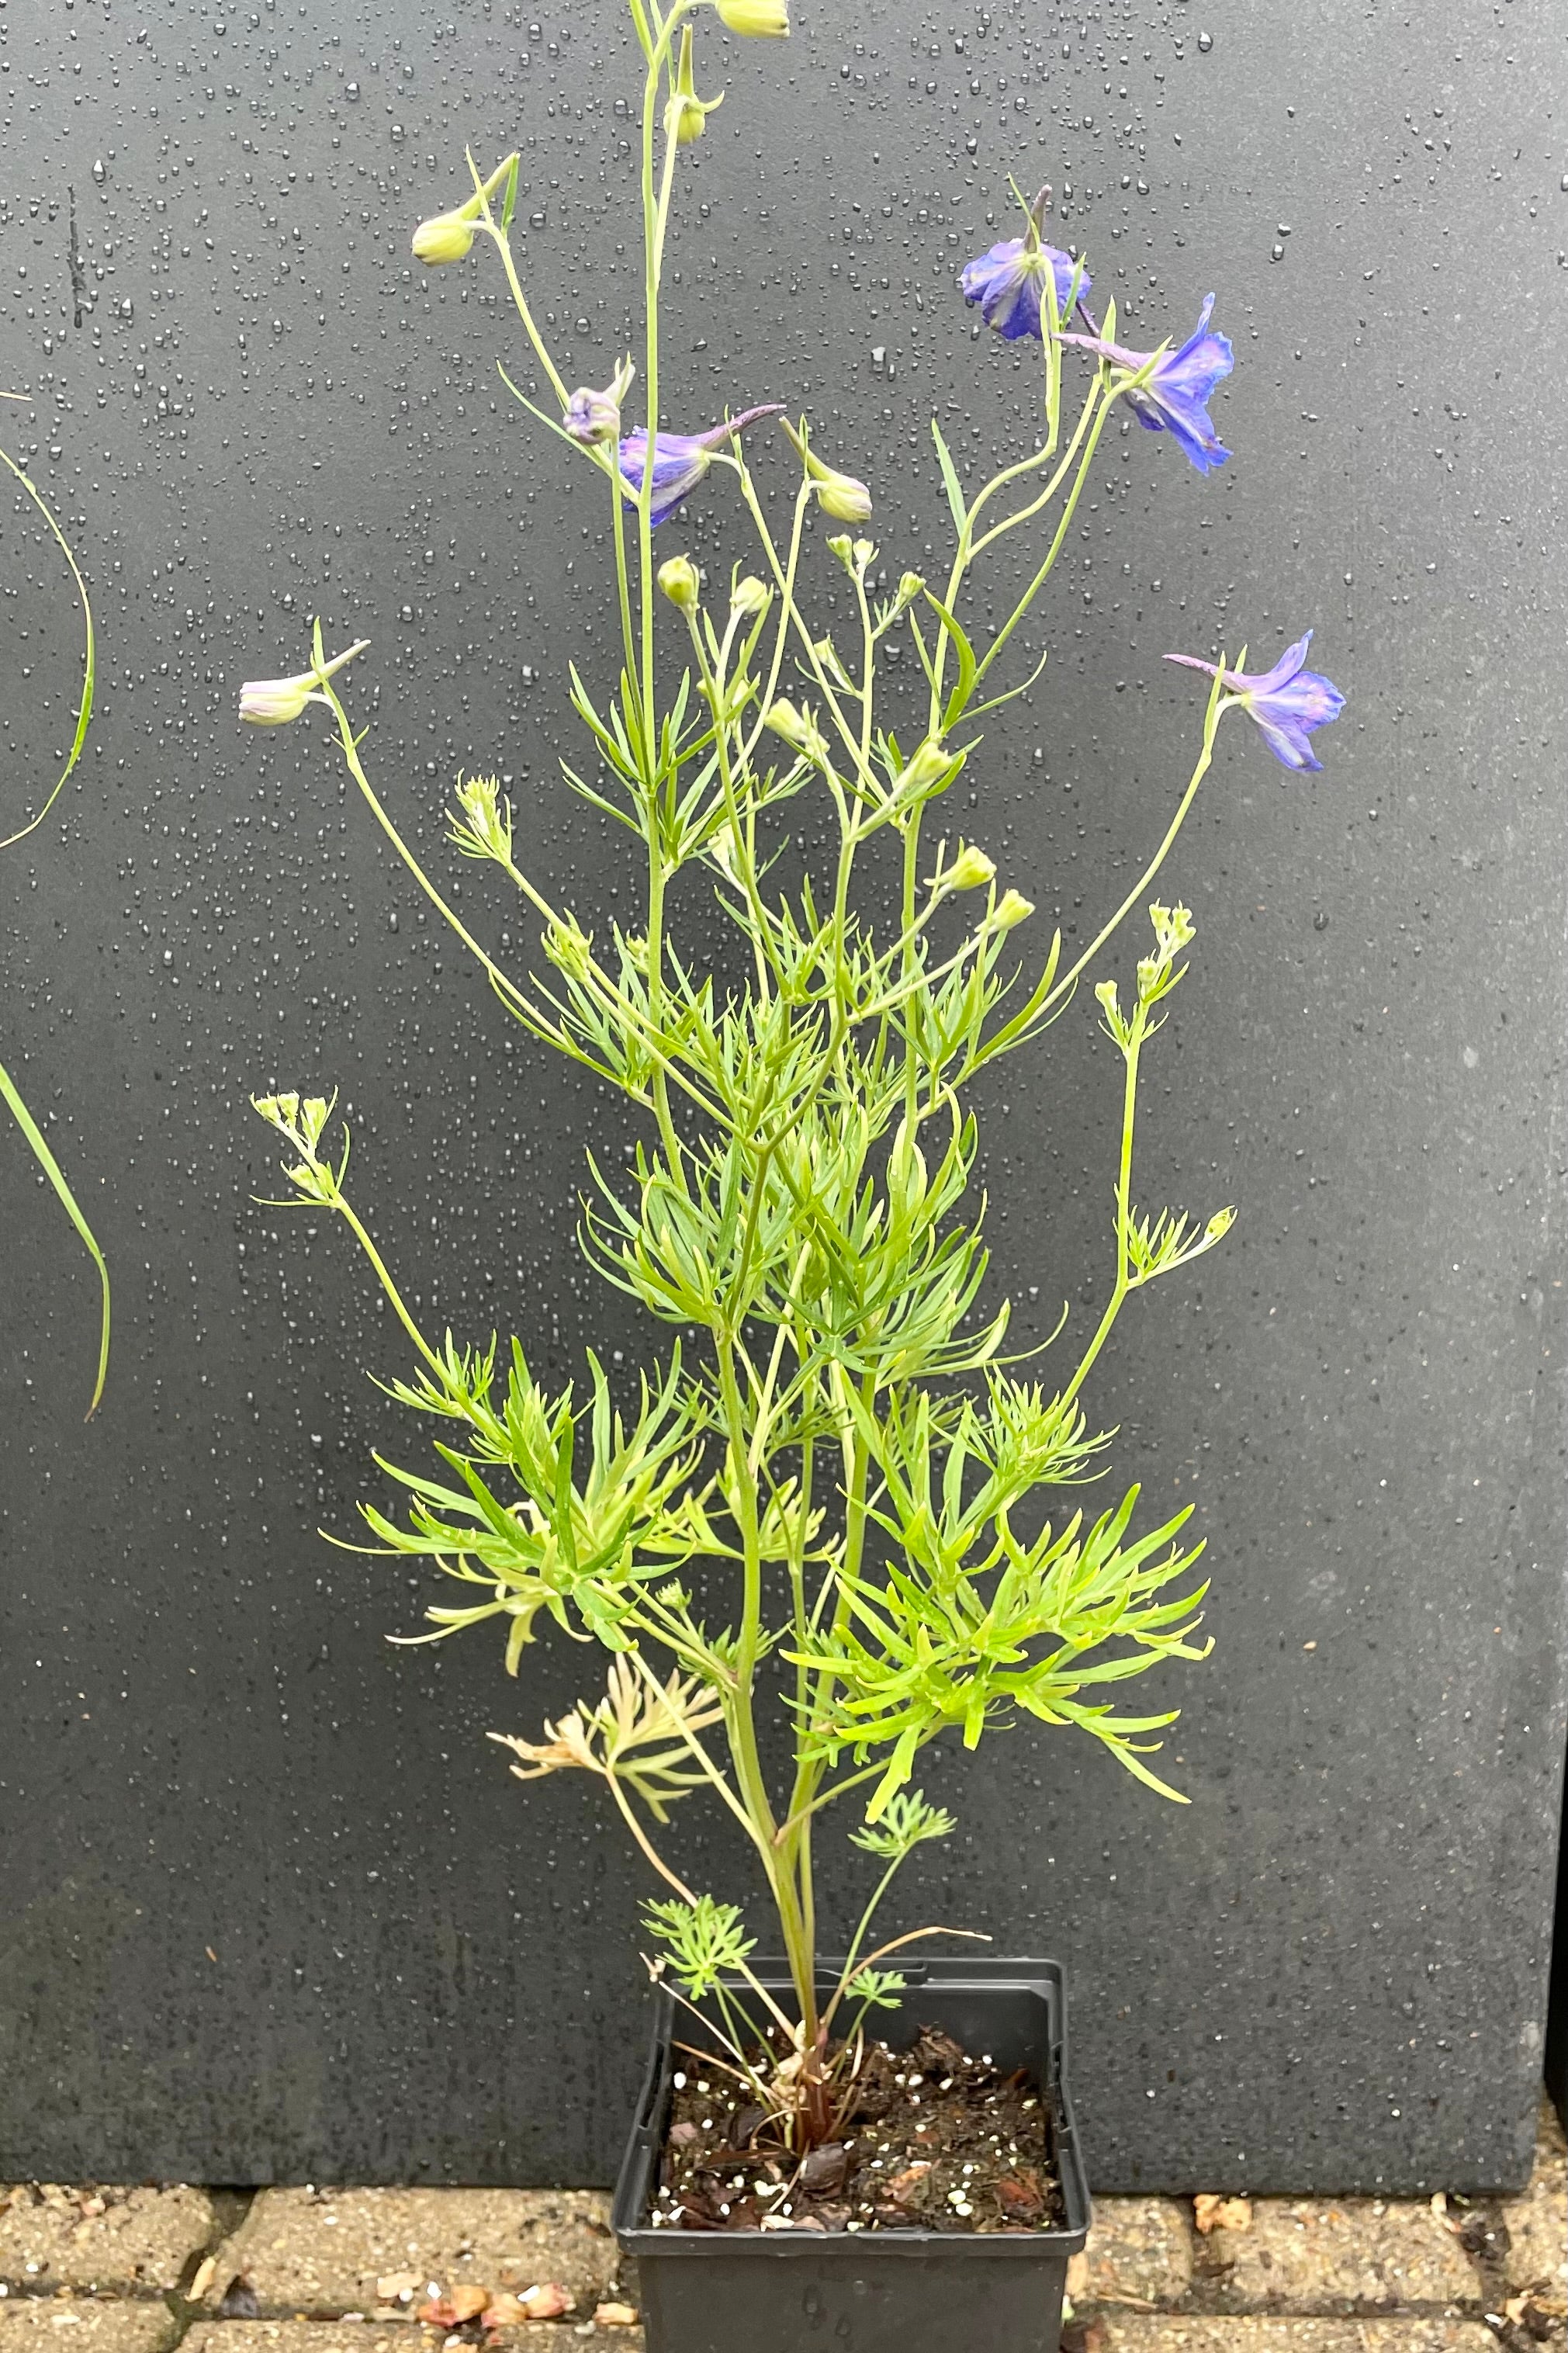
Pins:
x: 824, y: 2169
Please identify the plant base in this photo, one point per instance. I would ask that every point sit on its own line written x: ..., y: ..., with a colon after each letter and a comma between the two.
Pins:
x: 885, y: 2291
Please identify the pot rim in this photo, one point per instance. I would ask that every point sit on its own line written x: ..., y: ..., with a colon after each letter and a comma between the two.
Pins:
x: 987, y: 1974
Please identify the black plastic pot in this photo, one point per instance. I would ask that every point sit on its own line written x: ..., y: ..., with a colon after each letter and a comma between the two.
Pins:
x: 917, y: 2290
x: 1557, y: 1998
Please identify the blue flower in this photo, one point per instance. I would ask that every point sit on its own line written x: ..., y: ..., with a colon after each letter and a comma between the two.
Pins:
x: 1007, y: 280
x: 1288, y: 701
x: 1176, y: 397
x: 680, y: 460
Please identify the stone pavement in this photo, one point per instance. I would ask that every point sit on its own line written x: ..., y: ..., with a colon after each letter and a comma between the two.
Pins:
x: 519, y: 2271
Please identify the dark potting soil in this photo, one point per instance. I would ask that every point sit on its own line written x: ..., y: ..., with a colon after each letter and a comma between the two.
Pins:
x: 929, y: 2138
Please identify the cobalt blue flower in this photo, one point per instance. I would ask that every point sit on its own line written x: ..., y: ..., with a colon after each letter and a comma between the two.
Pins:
x: 680, y: 460
x: 1007, y: 280
x: 1175, y: 399
x: 1288, y: 701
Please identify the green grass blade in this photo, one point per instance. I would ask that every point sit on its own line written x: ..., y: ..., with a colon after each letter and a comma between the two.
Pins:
x: 89, y: 669
x: 51, y: 1168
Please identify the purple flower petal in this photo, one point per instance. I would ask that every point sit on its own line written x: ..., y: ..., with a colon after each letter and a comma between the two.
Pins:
x: 680, y: 460
x: 1175, y: 398
x: 1007, y: 280
x: 1286, y: 701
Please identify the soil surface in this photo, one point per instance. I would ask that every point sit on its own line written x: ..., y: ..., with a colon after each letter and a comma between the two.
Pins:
x: 927, y: 2138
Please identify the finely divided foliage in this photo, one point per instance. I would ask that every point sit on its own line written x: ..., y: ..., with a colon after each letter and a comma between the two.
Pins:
x: 843, y: 1499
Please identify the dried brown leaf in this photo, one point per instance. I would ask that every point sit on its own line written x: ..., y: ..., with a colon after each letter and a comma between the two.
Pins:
x: 1213, y: 2213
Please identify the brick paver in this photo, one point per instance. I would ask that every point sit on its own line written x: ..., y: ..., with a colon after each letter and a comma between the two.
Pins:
x: 336, y: 2251
x: 119, y: 2241
x: 54, y: 2324
x: 1317, y: 2254
x: 1140, y: 2251
x: 394, y: 2336
x: 349, y: 2271
x: 1156, y: 2333
x: 1537, y: 2221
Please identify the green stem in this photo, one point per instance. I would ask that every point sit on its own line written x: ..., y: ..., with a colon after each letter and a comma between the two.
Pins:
x: 51, y: 1168
x: 90, y: 665
x: 1217, y: 705
x: 1123, y: 1206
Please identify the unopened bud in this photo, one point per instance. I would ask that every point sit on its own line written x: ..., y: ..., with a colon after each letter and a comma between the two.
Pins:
x: 445, y: 237
x: 798, y: 728
x: 274, y: 702
x: 278, y: 1111
x: 568, y: 947
x: 749, y: 595
x: 482, y: 828
x: 1106, y: 992
x: 911, y: 586
x: 754, y: 20
x: 1220, y: 1224
x: 686, y: 112
x: 594, y: 416
x: 842, y: 496
x: 679, y: 581
x: 1012, y: 909
x: 930, y: 768
x: 969, y: 870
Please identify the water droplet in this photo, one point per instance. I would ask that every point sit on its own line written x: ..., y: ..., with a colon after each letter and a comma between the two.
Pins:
x: 352, y: 93
x: 1205, y: 42
x: 1319, y: 922
x: 1276, y: 253
x: 398, y: 134
x: 392, y: 921
x: 1563, y: 184
x: 100, y: 171
x: 126, y: 310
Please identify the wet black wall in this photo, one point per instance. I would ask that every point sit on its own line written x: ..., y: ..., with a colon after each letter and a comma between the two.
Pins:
x: 271, y: 1907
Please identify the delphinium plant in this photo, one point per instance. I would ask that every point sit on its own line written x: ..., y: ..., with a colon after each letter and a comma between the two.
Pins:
x: 847, y: 1502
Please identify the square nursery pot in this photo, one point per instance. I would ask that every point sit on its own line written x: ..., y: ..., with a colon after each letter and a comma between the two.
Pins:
x: 915, y: 2291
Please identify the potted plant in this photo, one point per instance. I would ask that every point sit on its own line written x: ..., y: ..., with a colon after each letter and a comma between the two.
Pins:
x: 845, y: 1505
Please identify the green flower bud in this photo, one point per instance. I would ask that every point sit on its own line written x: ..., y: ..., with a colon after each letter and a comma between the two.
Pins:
x: 839, y: 495
x: 678, y: 580
x: 482, y: 825
x: 754, y: 20
x: 568, y: 947
x: 685, y: 114
x: 445, y: 237
x: 798, y: 728
x: 750, y: 597
x: 278, y: 1111
x: 1012, y: 909
x: 1220, y: 1224
x: 1105, y: 991
x: 911, y: 586
x: 928, y: 769
x: 969, y: 870
x: 842, y: 496
x: 274, y: 702
x: 786, y: 721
